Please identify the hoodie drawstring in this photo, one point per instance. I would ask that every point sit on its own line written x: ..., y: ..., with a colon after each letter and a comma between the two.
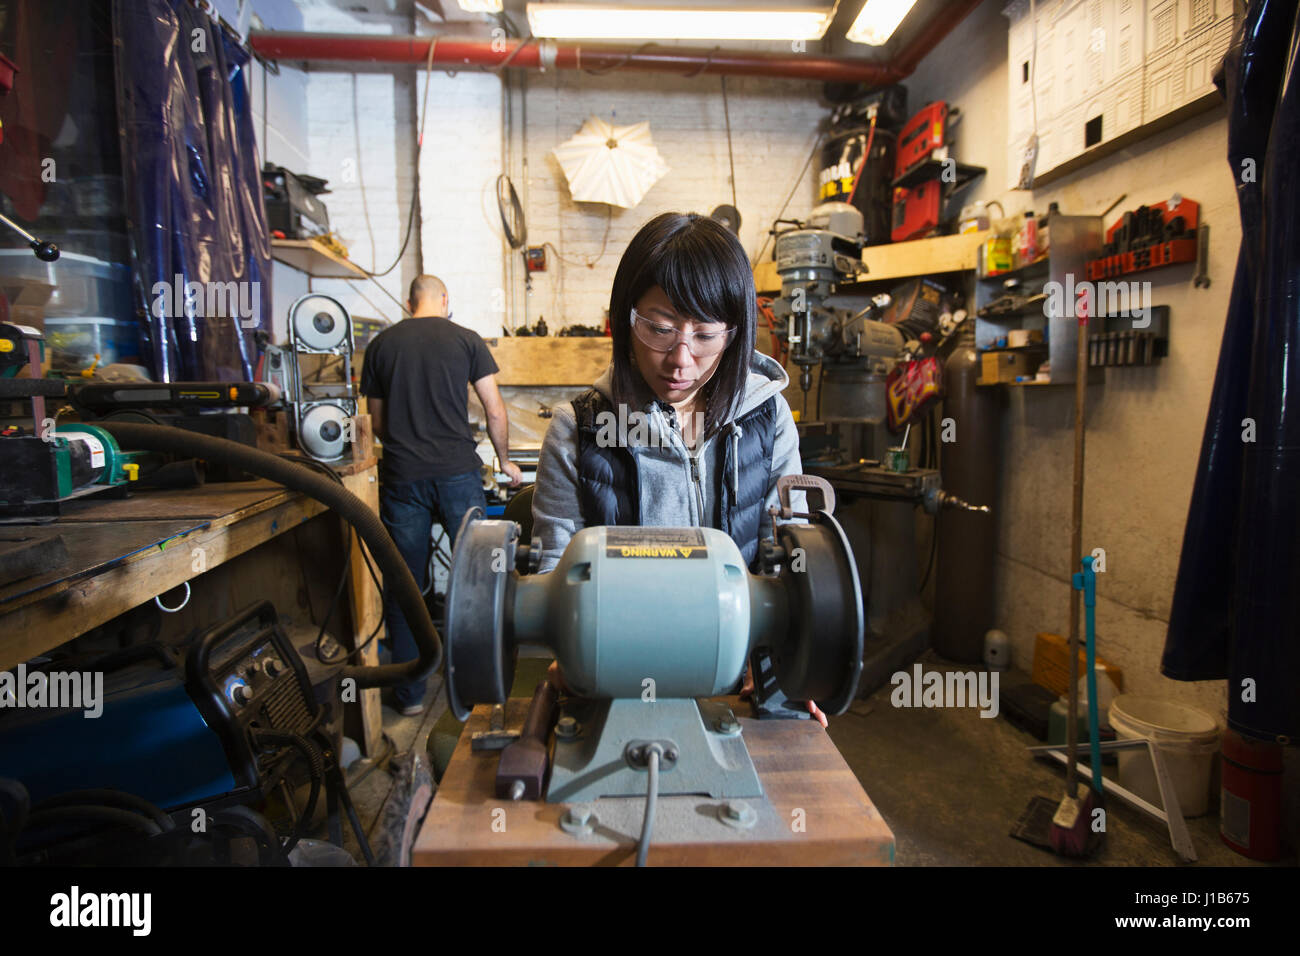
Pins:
x: 736, y: 432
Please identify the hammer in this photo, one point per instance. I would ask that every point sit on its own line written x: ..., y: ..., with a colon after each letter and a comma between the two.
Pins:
x: 522, y: 769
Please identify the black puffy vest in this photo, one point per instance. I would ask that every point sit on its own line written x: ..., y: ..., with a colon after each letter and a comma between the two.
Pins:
x: 607, y: 477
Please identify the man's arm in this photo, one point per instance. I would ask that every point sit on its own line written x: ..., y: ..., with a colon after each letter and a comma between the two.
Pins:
x: 376, y: 408
x: 498, y: 424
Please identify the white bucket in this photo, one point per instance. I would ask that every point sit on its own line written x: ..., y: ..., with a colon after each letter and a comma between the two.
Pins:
x: 1187, y: 739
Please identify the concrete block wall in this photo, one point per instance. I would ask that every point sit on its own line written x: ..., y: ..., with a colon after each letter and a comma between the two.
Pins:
x: 1144, y: 425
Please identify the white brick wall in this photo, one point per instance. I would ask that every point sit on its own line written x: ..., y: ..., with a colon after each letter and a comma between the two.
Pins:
x: 458, y: 236
x: 773, y: 127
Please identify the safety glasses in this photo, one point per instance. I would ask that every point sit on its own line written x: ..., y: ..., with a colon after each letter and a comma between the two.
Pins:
x: 662, y: 336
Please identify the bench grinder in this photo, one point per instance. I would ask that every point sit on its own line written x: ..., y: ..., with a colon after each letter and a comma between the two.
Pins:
x: 643, y: 621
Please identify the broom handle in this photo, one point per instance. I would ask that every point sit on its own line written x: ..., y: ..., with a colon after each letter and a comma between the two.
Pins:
x: 1076, y: 537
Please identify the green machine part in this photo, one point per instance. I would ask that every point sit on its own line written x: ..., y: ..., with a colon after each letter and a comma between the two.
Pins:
x: 118, y: 466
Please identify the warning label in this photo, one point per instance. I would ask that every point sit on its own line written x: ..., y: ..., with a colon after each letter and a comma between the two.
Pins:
x: 654, y: 543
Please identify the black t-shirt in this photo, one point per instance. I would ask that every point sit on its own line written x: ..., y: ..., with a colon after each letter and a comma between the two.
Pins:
x: 421, y: 368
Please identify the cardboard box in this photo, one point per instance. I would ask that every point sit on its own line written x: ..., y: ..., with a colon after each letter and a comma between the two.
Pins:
x: 1002, y: 367
x: 1052, y: 664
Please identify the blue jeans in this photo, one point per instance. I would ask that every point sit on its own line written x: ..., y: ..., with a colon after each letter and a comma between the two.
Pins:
x: 409, y: 510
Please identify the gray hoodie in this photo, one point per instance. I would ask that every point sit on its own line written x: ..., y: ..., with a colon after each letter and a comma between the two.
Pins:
x: 669, y: 496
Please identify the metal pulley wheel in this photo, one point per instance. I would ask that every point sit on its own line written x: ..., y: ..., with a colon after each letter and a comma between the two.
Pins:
x: 480, y: 658
x: 323, y: 430
x: 319, y: 322
x: 821, y: 658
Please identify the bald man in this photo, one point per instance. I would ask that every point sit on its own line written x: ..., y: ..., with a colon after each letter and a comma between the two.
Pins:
x: 416, y: 379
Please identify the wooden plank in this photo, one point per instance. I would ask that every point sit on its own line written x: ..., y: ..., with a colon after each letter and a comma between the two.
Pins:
x: 206, y: 501
x: 367, y: 609
x: 898, y: 260
x: 550, y: 360
x: 37, y: 622
x: 315, y: 259
x: 922, y: 257
x: 803, y: 775
x: 93, y: 549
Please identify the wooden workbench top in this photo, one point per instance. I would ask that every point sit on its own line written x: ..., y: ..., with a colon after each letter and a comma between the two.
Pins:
x: 815, y: 813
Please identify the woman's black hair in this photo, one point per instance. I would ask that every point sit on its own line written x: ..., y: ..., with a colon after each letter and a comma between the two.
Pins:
x: 705, y: 273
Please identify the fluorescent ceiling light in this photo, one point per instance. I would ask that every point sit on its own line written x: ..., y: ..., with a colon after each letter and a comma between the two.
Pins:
x: 878, y: 20
x: 754, y: 20
x: 480, y: 6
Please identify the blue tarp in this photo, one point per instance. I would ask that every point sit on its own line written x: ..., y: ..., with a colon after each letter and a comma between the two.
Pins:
x: 1236, y: 606
x: 198, y: 226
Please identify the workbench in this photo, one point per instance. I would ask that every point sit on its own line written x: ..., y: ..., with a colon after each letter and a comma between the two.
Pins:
x: 815, y: 814
x: 124, y: 552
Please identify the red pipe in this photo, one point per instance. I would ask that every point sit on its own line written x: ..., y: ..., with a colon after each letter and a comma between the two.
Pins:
x: 931, y: 35
x: 453, y: 52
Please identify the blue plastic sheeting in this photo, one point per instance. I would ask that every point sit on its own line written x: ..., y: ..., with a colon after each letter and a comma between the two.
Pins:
x: 149, y: 740
x: 200, y: 241
x: 1236, y: 606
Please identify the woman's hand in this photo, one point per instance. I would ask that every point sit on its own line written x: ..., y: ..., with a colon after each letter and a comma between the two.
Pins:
x: 556, y: 678
x: 816, y: 712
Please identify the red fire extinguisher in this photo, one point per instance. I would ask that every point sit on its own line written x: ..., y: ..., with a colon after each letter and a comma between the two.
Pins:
x: 1250, y: 806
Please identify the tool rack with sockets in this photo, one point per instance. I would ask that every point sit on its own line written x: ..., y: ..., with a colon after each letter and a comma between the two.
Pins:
x: 1149, y: 237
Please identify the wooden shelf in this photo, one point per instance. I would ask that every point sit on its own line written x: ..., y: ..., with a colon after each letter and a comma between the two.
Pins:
x: 315, y: 259
x: 898, y: 260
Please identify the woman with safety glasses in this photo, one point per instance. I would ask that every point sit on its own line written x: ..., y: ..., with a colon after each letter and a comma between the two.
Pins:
x: 688, y: 426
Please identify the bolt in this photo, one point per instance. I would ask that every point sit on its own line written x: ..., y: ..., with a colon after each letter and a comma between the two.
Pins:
x: 567, y: 727
x: 734, y: 809
x: 579, y: 816
x: 729, y: 724
x: 671, y: 754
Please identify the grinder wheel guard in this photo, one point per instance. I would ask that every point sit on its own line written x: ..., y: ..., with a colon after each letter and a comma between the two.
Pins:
x: 809, y: 617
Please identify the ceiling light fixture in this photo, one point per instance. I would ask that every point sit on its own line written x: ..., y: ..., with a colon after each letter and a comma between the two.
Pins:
x: 681, y: 20
x: 480, y: 6
x: 878, y: 20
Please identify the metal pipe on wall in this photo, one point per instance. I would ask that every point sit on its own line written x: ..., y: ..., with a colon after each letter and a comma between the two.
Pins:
x: 457, y: 52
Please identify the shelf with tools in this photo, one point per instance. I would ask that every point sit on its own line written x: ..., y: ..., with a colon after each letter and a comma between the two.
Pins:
x: 1036, y: 301
x: 315, y: 259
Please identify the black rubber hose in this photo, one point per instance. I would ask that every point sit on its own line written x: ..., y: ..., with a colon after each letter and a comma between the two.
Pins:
x: 132, y: 435
x: 109, y: 798
x: 83, y: 815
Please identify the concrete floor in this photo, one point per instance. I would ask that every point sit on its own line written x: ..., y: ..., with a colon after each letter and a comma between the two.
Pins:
x: 951, y: 785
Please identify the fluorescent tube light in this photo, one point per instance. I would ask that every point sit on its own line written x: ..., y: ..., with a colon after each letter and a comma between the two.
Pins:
x: 878, y: 20
x: 480, y: 6
x: 680, y: 21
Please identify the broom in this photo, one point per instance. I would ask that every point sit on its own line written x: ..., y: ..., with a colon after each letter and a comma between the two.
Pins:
x: 1071, y: 825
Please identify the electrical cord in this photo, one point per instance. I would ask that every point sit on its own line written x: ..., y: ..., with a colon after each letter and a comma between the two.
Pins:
x: 325, y: 469
x: 798, y: 179
x: 415, y: 190
x: 726, y: 114
x: 589, y: 263
x: 514, y: 238
x: 653, y: 753
x: 316, y: 768
x: 352, y: 509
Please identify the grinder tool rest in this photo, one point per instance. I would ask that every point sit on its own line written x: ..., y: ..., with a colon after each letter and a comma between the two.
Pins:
x: 643, y: 621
